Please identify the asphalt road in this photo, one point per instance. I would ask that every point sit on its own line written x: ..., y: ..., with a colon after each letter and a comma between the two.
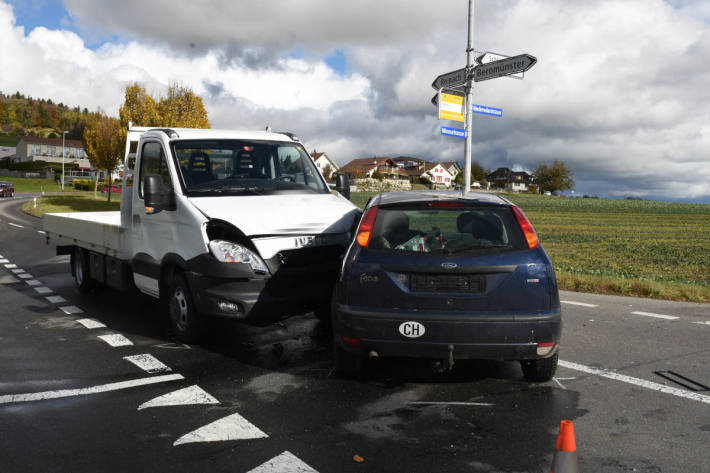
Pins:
x: 264, y: 399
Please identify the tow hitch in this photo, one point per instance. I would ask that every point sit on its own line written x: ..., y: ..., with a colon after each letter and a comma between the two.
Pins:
x: 439, y: 366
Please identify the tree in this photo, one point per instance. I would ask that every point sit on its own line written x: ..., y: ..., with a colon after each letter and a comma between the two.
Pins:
x: 139, y: 107
x: 553, y: 178
x: 182, y: 108
x: 103, y: 145
x: 477, y: 172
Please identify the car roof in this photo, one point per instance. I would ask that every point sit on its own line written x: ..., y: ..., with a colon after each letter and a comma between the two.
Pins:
x: 213, y: 134
x: 405, y: 197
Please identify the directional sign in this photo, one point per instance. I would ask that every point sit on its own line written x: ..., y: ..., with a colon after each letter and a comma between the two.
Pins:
x: 483, y: 110
x: 451, y: 107
x: 450, y: 79
x: 504, y: 67
x: 455, y: 132
x: 488, y: 56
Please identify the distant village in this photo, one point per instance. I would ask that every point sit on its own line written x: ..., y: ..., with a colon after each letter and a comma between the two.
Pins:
x: 402, y: 172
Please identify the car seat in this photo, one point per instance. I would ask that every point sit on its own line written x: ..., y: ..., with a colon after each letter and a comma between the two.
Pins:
x: 480, y: 227
x: 199, y: 168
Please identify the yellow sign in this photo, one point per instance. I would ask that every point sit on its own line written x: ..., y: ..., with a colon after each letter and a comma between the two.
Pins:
x: 451, y: 107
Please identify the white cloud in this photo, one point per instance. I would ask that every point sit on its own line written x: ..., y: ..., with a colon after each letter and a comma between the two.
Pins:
x: 619, y: 91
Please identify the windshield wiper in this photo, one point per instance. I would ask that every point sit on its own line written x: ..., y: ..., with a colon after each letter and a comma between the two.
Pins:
x: 220, y: 189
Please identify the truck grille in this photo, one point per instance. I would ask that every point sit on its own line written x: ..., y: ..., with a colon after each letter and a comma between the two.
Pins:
x: 447, y: 283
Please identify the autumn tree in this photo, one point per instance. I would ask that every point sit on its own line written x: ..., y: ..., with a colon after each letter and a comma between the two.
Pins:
x: 182, y: 108
x: 139, y: 107
x: 553, y: 178
x: 103, y: 145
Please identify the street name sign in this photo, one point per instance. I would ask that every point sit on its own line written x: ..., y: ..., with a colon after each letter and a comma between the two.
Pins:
x: 483, y: 110
x: 455, y: 132
x: 451, y: 107
x: 450, y: 79
x: 503, y: 67
x: 489, y: 56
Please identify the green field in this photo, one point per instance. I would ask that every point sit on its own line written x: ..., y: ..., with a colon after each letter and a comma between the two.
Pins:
x: 75, y: 202
x: 628, y: 247
x: 23, y: 184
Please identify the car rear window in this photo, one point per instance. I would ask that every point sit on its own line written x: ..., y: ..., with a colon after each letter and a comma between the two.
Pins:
x: 447, y: 230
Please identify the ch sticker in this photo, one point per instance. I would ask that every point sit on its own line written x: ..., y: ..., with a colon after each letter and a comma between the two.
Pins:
x: 411, y: 329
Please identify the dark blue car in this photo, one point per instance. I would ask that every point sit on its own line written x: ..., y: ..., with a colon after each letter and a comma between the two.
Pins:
x: 446, y: 276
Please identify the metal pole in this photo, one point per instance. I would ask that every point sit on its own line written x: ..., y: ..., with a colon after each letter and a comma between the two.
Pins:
x: 468, y: 103
x: 64, y: 133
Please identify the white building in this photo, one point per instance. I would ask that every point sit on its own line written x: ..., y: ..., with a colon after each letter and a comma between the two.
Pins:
x: 323, y: 162
x: 35, y: 148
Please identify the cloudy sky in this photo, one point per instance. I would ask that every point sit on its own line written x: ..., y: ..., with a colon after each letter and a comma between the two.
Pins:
x: 620, y: 93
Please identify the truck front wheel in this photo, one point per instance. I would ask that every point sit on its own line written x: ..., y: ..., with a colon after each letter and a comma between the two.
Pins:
x: 80, y: 269
x: 185, y: 322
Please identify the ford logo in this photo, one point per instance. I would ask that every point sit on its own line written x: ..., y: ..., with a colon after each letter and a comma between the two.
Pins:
x: 449, y: 265
x: 411, y: 329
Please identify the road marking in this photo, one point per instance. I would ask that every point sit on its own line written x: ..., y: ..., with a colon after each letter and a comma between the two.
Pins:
x: 658, y: 316
x: 41, y: 232
x: 25, y: 276
x: 148, y: 363
x: 182, y: 397
x: 91, y: 323
x: 703, y: 323
x: 71, y: 309
x: 232, y: 427
x: 33, y: 282
x: 15, y: 225
x: 4, y: 260
x: 636, y: 381
x: 43, y: 290
x: 116, y: 340
x: 173, y: 346
x: 447, y: 403
x: 18, y: 270
x: 582, y: 304
x: 558, y: 382
x: 11, y: 265
x: 12, y: 398
x: 54, y: 299
x: 287, y: 462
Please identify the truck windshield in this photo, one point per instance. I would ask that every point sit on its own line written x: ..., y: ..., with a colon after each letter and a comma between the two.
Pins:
x: 240, y: 166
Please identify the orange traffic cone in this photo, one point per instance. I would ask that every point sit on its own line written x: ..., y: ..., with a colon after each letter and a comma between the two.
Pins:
x: 565, y: 459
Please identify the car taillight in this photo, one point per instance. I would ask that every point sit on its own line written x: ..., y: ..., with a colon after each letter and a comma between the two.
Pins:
x: 366, y: 226
x: 445, y: 204
x: 526, y: 227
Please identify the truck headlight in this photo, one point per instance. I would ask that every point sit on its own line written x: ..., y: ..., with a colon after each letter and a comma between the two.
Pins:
x: 229, y: 252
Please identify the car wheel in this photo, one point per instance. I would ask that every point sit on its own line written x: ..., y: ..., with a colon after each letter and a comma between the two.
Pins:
x: 185, y: 323
x: 80, y: 269
x: 539, y: 370
x: 345, y: 362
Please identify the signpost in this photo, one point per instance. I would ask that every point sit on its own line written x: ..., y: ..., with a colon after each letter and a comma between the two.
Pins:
x: 503, y: 67
x: 453, y: 105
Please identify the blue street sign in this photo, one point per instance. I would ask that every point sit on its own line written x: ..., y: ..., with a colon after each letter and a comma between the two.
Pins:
x: 483, y: 110
x: 455, y: 132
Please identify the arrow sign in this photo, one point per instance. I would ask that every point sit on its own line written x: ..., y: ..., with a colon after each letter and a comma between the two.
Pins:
x: 504, y: 67
x: 450, y: 79
x: 488, y: 56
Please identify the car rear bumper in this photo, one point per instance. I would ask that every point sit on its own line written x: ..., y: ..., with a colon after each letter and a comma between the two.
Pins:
x: 467, y: 335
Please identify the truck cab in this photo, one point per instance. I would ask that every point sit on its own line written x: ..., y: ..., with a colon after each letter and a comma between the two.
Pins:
x: 217, y: 223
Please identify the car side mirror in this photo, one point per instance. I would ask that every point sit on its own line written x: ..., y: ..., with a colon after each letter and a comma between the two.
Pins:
x: 156, y: 196
x: 342, y: 185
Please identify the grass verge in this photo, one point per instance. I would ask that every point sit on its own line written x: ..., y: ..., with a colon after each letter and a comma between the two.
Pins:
x: 84, y: 202
x: 25, y: 184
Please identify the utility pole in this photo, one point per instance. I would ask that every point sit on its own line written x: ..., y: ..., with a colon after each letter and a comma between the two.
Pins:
x: 468, y: 103
x: 64, y: 133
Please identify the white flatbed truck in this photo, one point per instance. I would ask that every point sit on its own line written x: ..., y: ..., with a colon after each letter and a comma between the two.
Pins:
x: 215, y: 223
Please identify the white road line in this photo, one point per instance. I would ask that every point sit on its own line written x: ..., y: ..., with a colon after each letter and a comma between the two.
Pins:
x: 582, y: 304
x: 703, y: 323
x: 11, y: 265
x: 91, y: 323
x: 15, y: 225
x: 25, y: 276
x: 55, y: 299
x: 636, y: 381
x: 18, y: 270
x: 148, y: 363
x: 41, y: 232
x: 558, y: 382
x: 232, y: 427
x: 71, y: 309
x: 447, y: 403
x: 12, y: 398
x: 4, y: 260
x: 33, y: 282
x: 287, y: 462
x: 116, y: 340
x: 43, y: 290
x: 658, y: 316
x: 182, y: 397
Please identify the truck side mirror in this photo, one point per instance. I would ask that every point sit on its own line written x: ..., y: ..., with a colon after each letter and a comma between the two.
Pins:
x: 342, y: 185
x: 156, y: 196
